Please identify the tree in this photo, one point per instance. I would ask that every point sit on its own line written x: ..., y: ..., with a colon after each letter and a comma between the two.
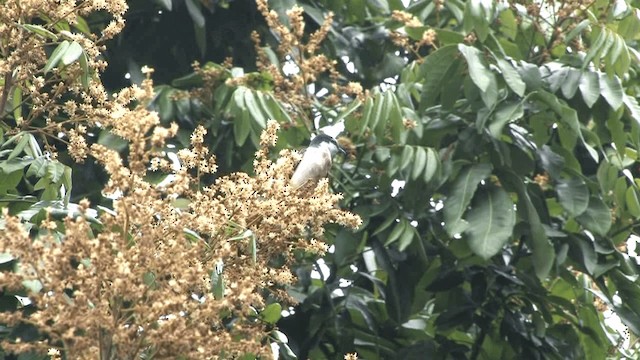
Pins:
x: 493, y: 150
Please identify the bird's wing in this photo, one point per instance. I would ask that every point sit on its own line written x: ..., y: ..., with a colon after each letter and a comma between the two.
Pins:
x: 315, y: 164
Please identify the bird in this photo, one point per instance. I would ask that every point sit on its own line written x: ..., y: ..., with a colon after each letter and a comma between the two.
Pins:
x: 316, y: 160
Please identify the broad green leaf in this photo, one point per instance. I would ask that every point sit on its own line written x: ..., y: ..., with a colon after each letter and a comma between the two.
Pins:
x: 632, y: 106
x: 433, y: 164
x: 38, y: 167
x: 5, y: 258
x: 511, y: 77
x: 407, y: 156
x: 72, y: 53
x: 480, y: 74
x: 272, y: 313
x: 506, y: 112
x: 9, y: 166
x: 573, y: 195
x: 530, y: 74
x: 508, y: 23
x: 611, y: 90
x: 596, y: 46
x: 491, y: 221
x: 477, y: 14
x: 57, y: 54
x: 419, y: 162
x: 397, y: 231
x: 589, y: 88
x: 460, y: 196
x: 55, y: 170
x: 597, y: 217
x: 254, y: 109
x: 543, y: 252
x: 407, y: 237
x: 20, y: 146
x: 571, y: 83
x: 582, y: 251
x: 632, y: 202
x: 241, y: 121
x: 434, y: 70
x: 616, y: 129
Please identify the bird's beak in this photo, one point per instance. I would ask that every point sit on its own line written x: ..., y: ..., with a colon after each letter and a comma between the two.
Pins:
x: 341, y: 149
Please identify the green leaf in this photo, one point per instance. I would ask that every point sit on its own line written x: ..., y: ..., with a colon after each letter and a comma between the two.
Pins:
x: 82, y: 25
x: 433, y: 164
x: 84, y: 65
x: 5, y: 258
x: 632, y: 202
x: 38, y: 167
x: 395, y: 118
x: 72, y: 53
x: 476, y: 17
x: 491, y: 221
x: 419, y: 162
x: 166, y: 4
x: 217, y: 281
x: 597, y: 217
x: 573, y: 195
x: 460, y: 196
x: 193, y: 7
x: 376, y: 123
x: 611, y: 90
x: 589, y: 88
x: 397, y: 231
x: 67, y: 183
x: 632, y: 107
x: 20, y: 146
x: 435, y: 70
x: 407, y: 156
x: 571, y: 83
x: 37, y: 29
x: 17, y: 104
x: 511, y: 77
x: 9, y: 166
x: 596, y: 46
x: 55, y: 170
x: 241, y: 121
x: 583, y: 252
x: 254, y: 109
x: 272, y: 313
x: 407, y: 237
x: 480, y: 74
x: 57, y: 54
x: 543, y: 252
x: 505, y: 113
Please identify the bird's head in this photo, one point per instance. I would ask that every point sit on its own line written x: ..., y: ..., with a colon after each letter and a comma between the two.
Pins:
x: 328, y: 142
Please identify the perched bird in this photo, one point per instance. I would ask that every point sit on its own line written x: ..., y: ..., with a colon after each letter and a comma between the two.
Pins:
x: 316, y: 160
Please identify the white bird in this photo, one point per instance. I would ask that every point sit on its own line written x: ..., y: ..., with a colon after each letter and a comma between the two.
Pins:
x: 316, y: 160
